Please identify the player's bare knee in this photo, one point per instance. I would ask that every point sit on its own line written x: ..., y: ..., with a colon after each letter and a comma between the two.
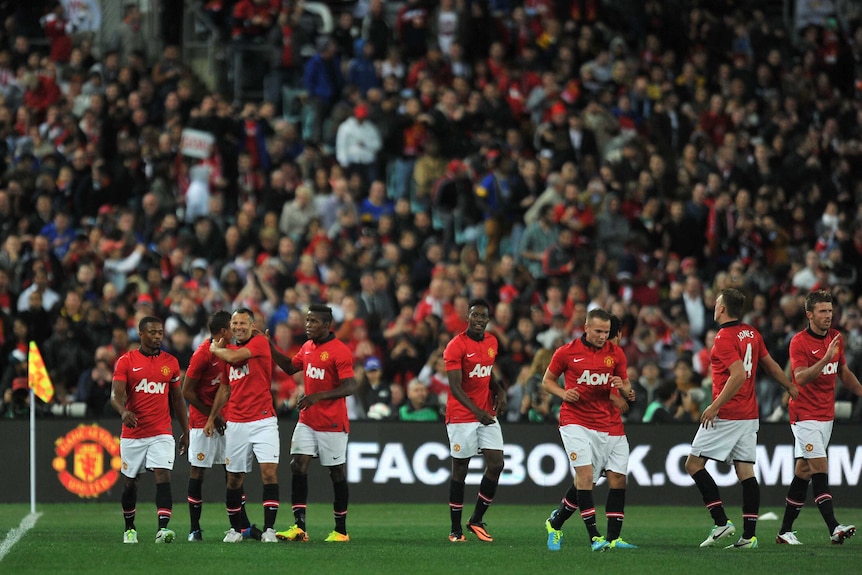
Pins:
x: 298, y: 466
x: 693, y: 464
x: 337, y: 473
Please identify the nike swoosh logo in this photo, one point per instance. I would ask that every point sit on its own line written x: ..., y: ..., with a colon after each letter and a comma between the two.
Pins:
x: 307, y: 352
x: 137, y: 368
x: 470, y: 354
x: 577, y: 359
x: 815, y: 351
x: 214, y: 364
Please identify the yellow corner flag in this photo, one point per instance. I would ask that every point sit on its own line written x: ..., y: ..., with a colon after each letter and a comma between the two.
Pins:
x: 37, y: 375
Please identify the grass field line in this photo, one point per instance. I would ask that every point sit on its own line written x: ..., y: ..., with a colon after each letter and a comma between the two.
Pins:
x: 16, y: 533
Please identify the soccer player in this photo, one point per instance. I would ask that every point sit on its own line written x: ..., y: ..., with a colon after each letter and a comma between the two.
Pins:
x: 816, y: 359
x: 252, y: 427
x: 203, y: 377
x: 146, y: 382
x: 323, y: 428
x: 591, y: 428
x: 728, y: 427
x: 475, y: 401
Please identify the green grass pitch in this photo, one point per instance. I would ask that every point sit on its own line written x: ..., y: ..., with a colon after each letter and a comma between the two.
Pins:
x: 411, y: 539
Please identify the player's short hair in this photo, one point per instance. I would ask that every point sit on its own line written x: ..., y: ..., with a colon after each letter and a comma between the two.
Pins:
x: 600, y: 314
x: 146, y: 320
x: 244, y: 310
x: 323, y: 310
x: 733, y: 300
x: 219, y: 320
x: 479, y: 302
x: 616, y: 327
x: 816, y: 297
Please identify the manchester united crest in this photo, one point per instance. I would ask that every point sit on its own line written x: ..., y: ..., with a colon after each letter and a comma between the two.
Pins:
x: 94, y: 454
x: 491, y: 352
x: 324, y: 356
x: 609, y: 361
x: 573, y: 456
x: 166, y: 370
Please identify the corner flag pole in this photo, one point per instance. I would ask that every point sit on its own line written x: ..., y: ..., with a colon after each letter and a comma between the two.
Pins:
x: 32, y: 451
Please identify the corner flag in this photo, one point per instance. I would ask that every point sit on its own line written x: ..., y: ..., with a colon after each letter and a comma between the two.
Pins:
x: 37, y: 375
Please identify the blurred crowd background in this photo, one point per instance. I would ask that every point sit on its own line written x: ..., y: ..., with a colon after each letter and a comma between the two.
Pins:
x: 396, y: 159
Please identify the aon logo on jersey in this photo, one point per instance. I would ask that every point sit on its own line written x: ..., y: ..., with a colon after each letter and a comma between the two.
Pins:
x: 150, y: 386
x: 315, y: 372
x: 481, y: 371
x: 830, y: 368
x: 590, y: 378
x: 235, y: 373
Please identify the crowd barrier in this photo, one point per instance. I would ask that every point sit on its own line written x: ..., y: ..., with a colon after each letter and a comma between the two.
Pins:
x: 78, y: 460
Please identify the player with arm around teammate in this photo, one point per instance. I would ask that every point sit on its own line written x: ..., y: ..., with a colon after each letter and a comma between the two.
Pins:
x: 816, y: 360
x: 729, y: 425
x: 592, y: 367
x: 202, y: 380
x: 475, y: 403
x: 145, y: 384
x: 252, y: 428
x: 323, y: 428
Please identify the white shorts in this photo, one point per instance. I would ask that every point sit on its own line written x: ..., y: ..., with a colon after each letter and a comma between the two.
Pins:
x: 329, y: 446
x: 585, y: 447
x: 614, y: 457
x: 147, y: 453
x: 205, y: 451
x: 469, y: 439
x: 258, y: 438
x: 812, y: 438
x: 730, y: 440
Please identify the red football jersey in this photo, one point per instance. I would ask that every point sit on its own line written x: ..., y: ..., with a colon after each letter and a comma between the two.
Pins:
x: 250, y: 381
x: 324, y: 367
x: 737, y: 341
x: 816, y: 400
x: 210, y: 372
x: 475, y: 360
x: 589, y: 369
x: 148, y: 379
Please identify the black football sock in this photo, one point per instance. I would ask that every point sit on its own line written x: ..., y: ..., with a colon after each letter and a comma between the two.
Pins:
x: 339, y: 505
x: 794, y: 502
x: 750, y: 506
x: 195, y: 500
x: 614, y: 511
x: 129, y: 500
x: 164, y: 503
x: 456, y: 504
x: 270, y: 505
x: 299, y: 498
x: 709, y: 491
x: 233, y: 502
x: 243, y: 514
x: 588, y: 512
x: 823, y: 499
x: 567, y: 508
x: 487, y: 489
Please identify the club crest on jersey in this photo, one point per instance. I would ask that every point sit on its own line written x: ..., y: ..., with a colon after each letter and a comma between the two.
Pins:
x: 456, y: 448
x: 491, y: 352
x: 166, y: 370
x: 573, y: 456
x: 324, y: 356
x: 200, y: 456
x: 809, y: 448
x: 609, y: 361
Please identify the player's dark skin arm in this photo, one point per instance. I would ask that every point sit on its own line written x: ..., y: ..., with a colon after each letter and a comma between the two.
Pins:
x: 190, y: 386
x: 118, y: 402
x: 501, y: 399
x: 457, y: 391
x: 182, y: 415
x: 220, y: 400
x: 282, y: 361
x: 347, y: 387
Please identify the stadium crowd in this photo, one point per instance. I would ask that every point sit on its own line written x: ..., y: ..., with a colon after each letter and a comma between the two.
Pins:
x: 549, y: 156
